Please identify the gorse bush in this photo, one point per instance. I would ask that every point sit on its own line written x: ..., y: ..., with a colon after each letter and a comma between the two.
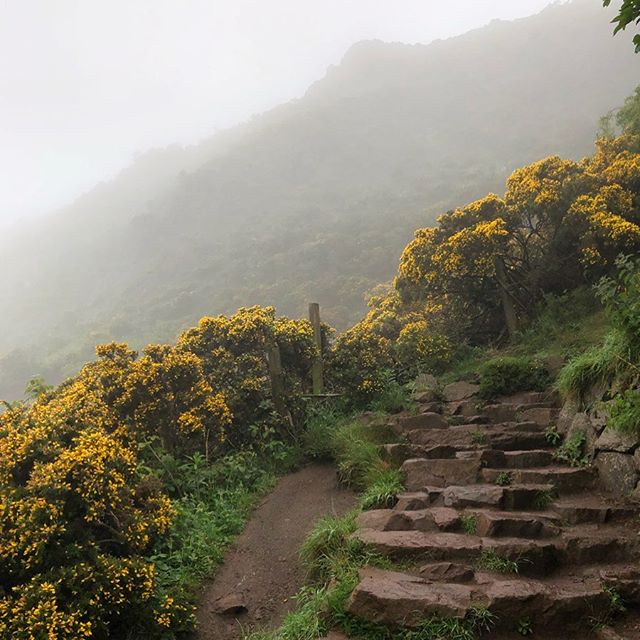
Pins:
x: 358, y: 363
x: 116, y: 496
x: 510, y: 374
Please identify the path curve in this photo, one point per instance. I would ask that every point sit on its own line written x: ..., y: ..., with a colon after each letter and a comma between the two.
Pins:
x: 262, y: 567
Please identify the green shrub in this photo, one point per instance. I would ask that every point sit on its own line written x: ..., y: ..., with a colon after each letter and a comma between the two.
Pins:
x: 357, y: 455
x: 421, y: 349
x: 624, y: 412
x: 552, y: 435
x: 544, y: 499
x: 392, y: 397
x: 618, y: 356
x: 510, y: 374
x: 573, y: 451
x: 357, y: 364
x: 319, y: 432
x: 328, y: 535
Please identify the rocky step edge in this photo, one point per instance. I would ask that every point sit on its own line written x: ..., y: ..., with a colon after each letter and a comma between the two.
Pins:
x: 567, y: 604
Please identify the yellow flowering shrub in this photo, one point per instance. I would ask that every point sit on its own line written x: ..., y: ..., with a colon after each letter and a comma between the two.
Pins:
x: 561, y: 223
x: 420, y: 348
x: 358, y: 362
x: 79, y: 509
x: 75, y: 518
x: 233, y: 350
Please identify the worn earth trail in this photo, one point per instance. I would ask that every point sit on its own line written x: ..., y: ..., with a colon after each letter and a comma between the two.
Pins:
x: 262, y: 570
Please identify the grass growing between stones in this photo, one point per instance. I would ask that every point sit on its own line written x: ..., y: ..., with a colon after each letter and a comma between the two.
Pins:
x: 469, y: 523
x: 489, y: 560
x: 382, y: 494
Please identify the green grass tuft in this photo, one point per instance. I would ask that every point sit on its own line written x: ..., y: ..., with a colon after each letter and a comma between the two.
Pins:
x: 382, y: 494
x: 489, y: 560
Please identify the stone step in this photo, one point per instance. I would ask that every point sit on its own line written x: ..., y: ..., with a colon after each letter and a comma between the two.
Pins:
x: 399, y: 599
x: 416, y: 500
x: 419, y: 473
x: 535, y: 557
x: 531, y: 397
x: 538, y: 557
x: 500, y: 412
x: 564, y: 479
x: 421, y: 421
x: 514, y: 524
x: 506, y: 437
x: 397, y: 453
x: 496, y: 459
x: 591, y: 509
x: 588, y: 544
x: 481, y: 522
x: 515, y: 497
x: 544, y: 416
x: 430, y: 519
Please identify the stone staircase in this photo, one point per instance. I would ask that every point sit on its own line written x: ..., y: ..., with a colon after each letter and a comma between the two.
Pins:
x: 490, y: 519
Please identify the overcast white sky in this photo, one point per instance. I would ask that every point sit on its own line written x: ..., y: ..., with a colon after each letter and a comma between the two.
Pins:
x: 84, y: 84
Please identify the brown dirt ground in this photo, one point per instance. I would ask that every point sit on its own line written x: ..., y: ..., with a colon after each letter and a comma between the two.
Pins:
x: 263, y: 565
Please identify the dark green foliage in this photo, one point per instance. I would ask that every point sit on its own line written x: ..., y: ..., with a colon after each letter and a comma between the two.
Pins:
x: 614, y: 608
x: 629, y: 14
x: 624, y: 412
x: 213, y: 503
x: 510, y: 374
x: 490, y: 560
x: 544, y: 499
x: 573, y: 451
x: 504, y: 479
x: 553, y: 436
x: 525, y: 627
x: 393, y: 398
x: 621, y: 297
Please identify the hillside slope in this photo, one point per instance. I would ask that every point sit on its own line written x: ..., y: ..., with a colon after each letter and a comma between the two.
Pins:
x: 314, y: 199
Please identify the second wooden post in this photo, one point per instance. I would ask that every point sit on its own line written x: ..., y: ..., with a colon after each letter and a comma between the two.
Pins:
x: 317, y: 368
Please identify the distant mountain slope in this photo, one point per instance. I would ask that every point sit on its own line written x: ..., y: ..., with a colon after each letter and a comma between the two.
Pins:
x: 314, y: 199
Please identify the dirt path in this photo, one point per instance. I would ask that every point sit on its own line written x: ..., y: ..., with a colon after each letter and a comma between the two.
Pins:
x: 262, y: 568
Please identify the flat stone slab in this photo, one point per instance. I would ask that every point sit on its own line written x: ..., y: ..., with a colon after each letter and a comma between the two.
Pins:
x: 420, y: 473
x: 473, y: 496
x: 422, y: 421
x: 387, y: 597
x: 447, y: 572
x: 457, y: 391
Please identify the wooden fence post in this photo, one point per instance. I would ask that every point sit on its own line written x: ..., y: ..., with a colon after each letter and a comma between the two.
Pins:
x: 277, y: 382
x: 317, y: 368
